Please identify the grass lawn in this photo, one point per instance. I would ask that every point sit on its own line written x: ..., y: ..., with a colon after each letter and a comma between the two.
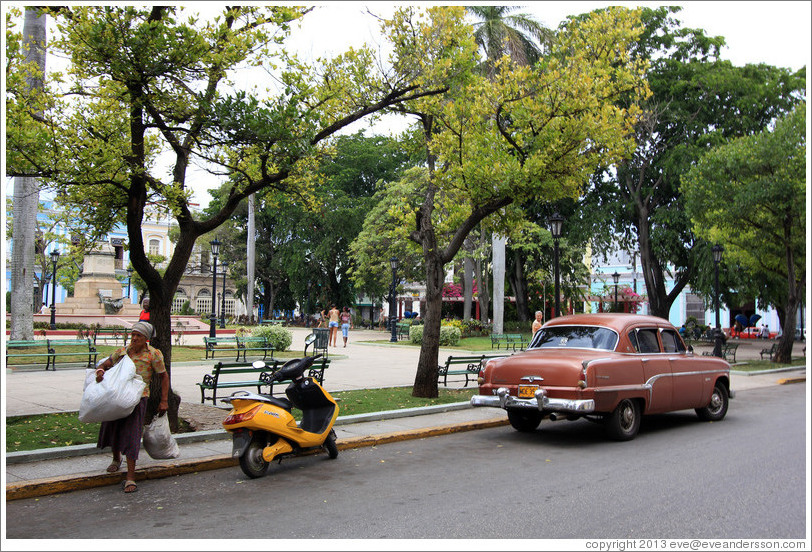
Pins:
x: 759, y: 365
x: 65, y: 429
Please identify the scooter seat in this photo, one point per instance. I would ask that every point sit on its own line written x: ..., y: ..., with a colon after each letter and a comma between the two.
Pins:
x: 278, y: 401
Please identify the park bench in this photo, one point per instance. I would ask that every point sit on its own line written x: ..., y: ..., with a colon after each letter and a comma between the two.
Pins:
x: 29, y: 349
x: 510, y: 341
x: 469, y: 366
x: 220, y: 344
x: 316, y: 371
x: 728, y: 351
x: 769, y: 351
x: 403, y: 330
x: 252, y: 343
x: 71, y: 348
x: 251, y: 377
x: 245, y: 370
x: 109, y: 333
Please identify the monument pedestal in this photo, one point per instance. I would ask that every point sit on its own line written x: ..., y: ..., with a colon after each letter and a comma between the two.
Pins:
x: 98, y: 291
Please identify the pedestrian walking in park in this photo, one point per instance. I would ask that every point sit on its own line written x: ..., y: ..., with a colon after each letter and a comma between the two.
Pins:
x: 333, y: 316
x: 537, y: 322
x: 144, y: 316
x: 123, y: 436
x: 346, y: 324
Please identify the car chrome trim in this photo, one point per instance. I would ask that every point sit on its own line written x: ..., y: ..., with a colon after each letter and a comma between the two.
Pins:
x: 540, y: 402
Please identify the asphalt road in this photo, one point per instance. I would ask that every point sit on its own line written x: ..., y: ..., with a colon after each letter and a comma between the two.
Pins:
x: 744, y: 477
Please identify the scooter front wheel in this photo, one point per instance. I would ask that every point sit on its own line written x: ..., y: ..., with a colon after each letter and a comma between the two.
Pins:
x: 330, y: 446
x: 251, y: 461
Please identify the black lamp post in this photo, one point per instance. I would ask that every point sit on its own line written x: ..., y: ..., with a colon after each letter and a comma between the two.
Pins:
x: 556, y: 223
x: 45, y: 279
x: 717, y: 334
x: 223, y: 303
x: 54, y: 259
x: 129, y: 281
x: 616, y: 278
x: 393, y: 262
x: 215, y: 249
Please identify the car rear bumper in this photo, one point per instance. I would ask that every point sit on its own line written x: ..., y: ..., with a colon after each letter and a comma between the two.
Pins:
x: 503, y: 399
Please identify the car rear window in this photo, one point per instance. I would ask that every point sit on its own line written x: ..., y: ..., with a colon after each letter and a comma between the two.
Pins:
x: 575, y: 337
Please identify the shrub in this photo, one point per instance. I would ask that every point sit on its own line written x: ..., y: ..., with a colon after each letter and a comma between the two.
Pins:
x: 449, y: 335
x: 280, y: 338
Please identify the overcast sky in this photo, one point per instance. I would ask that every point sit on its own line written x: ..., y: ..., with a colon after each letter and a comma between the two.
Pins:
x: 777, y: 33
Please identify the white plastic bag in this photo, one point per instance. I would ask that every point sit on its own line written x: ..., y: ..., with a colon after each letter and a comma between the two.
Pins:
x: 158, y: 440
x: 115, y: 396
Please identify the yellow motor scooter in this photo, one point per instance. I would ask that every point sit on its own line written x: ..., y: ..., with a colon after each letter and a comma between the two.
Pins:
x: 264, y: 428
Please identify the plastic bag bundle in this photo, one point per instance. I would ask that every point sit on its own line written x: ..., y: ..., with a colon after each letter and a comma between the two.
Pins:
x: 158, y: 440
x: 115, y: 396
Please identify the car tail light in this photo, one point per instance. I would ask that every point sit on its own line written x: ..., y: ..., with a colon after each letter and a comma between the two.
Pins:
x: 582, y: 381
x: 232, y: 419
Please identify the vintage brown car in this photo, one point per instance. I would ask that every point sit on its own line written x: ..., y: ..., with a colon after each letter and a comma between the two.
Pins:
x: 611, y: 368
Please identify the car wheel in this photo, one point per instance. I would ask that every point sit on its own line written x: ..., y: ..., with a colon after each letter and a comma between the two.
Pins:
x: 524, y: 420
x: 717, y: 407
x: 251, y: 461
x: 330, y: 446
x: 624, y: 422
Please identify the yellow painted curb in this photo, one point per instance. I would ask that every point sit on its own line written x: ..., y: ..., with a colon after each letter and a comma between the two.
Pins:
x: 784, y: 381
x: 53, y: 485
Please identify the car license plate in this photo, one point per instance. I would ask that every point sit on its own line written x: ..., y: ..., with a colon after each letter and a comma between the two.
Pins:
x: 527, y: 391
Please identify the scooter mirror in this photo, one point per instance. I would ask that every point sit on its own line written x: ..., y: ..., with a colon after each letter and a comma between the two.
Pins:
x: 259, y: 364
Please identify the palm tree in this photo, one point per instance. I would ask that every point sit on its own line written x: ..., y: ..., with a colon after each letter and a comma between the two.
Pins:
x: 499, y: 31
x: 26, y: 198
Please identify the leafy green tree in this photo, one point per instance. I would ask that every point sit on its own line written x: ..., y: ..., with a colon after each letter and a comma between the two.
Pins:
x: 697, y: 102
x: 530, y: 132
x: 750, y: 195
x: 148, y: 93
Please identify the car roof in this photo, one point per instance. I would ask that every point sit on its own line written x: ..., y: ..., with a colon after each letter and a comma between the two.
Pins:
x: 617, y: 321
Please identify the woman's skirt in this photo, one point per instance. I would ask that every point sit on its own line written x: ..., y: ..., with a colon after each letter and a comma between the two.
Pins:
x: 124, y: 435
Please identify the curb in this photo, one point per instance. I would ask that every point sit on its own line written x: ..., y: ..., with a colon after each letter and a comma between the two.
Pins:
x: 53, y: 485
x: 73, y: 451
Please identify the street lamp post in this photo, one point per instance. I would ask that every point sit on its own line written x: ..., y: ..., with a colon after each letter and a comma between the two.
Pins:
x: 54, y: 259
x: 556, y: 223
x: 717, y: 334
x: 129, y: 281
x: 46, y: 278
x: 215, y: 249
x: 223, y: 303
x: 616, y: 278
x: 393, y: 262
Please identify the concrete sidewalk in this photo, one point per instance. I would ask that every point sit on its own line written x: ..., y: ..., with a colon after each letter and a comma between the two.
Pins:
x: 358, y: 366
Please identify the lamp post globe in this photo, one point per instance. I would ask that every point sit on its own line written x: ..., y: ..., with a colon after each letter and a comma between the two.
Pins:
x: 215, y: 250
x: 556, y: 225
x: 393, y: 262
x: 54, y: 260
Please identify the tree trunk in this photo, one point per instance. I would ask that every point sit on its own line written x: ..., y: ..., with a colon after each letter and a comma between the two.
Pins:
x: 483, y: 293
x: 498, y: 255
x: 796, y: 288
x: 425, y: 382
x: 467, y: 280
x: 26, y: 200
x: 518, y: 284
x: 250, y: 260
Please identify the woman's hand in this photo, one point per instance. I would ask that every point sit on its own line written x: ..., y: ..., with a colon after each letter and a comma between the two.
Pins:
x: 163, y: 406
x: 99, y: 374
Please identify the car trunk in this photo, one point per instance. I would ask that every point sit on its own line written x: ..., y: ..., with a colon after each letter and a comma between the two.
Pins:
x: 557, y: 367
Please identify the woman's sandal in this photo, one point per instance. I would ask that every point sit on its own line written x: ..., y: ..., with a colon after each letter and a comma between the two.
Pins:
x: 129, y: 484
x: 114, y: 466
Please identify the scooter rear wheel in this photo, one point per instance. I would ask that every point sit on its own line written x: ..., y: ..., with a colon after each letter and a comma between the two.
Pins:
x: 251, y: 461
x: 330, y: 446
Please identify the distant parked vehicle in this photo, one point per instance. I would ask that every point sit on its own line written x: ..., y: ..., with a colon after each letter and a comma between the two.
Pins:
x: 611, y: 368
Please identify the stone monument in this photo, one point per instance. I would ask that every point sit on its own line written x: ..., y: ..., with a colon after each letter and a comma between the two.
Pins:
x: 97, y: 291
